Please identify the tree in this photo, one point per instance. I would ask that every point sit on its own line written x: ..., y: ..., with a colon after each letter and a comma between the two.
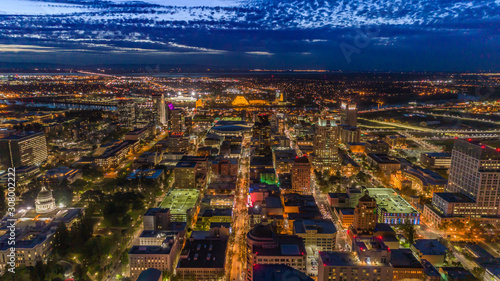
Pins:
x: 409, y: 232
x: 61, y: 240
x: 478, y: 271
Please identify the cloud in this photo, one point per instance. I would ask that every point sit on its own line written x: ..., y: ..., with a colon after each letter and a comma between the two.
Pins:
x: 259, y: 53
x: 24, y: 48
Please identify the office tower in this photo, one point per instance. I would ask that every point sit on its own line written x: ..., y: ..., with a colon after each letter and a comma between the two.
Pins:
x: 25, y: 149
x: 176, y: 120
x: 475, y: 173
x: 144, y: 114
x: 325, y: 146
x: 126, y: 113
x: 349, y: 134
x: 159, y: 108
x: 349, y: 114
x: 365, y: 214
x: 301, y: 175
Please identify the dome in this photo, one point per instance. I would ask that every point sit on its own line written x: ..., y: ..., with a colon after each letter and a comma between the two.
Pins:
x: 262, y: 231
x: 44, y: 194
x: 45, y: 202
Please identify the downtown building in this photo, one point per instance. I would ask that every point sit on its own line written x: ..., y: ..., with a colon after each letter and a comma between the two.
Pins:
x: 24, y: 149
x: 301, y: 175
x: 126, y: 112
x: 160, y: 110
x: 326, y: 146
x: 473, y: 189
x: 265, y: 247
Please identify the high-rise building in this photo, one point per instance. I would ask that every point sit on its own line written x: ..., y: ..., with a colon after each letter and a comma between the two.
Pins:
x: 25, y: 149
x: 349, y: 134
x: 475, y: 173
x: 159, y: 107
x: 126, y: 113
x: 365, y: 214
x: 325, y: 146
x: 349, y: 114
x: 301, y: 175
x: 176, y: 120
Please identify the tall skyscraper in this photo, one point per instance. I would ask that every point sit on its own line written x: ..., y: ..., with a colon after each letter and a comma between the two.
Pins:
x: 325, y: 146
x: 126, y: 113
x: 348, y: 114
x: 159, y: 107
x: 365, y: 214
x: 475, y: 173
x: 25, y: 149
x: 176, y: 120
x: 301, y: 175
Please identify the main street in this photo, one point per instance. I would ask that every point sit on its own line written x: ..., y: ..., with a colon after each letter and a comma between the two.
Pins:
x: 238, y: 248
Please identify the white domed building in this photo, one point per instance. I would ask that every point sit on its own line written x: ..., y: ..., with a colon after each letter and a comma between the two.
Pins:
x: 45, y: 202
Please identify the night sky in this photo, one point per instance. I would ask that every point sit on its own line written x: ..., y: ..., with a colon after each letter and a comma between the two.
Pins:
x: 359, y: 35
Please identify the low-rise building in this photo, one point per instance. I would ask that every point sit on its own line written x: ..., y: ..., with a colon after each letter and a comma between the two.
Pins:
x: 383, y: 163
x: 138, y: 134
x: 340, y: 266
x: 266, y: 247
x: 203, y: 259
x: 376, y: 147
x: 319, y: 234
x: 156, y: 219
x: 436, y: 160
x: 392, y: 208
x: 158, y: 257
x: 431, y: 250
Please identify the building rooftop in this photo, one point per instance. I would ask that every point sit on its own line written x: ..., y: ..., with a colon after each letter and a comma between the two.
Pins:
x: 382, y: 158
x: 438, y: 154
x: 321, y: 226
x: 154, y: 211
x: 203, y: 253
x: 457, y: 273
x: 180, y: 200
x: 278, y: 272
x: 389, y: 201
x: 404, y: 258
x: 286, y: 245
x: 454, y: 197
x: 151, y: 250
x: 339, y: 259
x: 430, y: 247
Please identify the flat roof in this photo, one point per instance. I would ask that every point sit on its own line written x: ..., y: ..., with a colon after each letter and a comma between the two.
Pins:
x: 278, y: 272
x: 390, y: 201
x: 454, y: 197
x: 150, y: 250
x: 437, y: 154
x: 430, y: 247
x: 180, y: 200
x: 321, y: 226
x: 404, y: 258
x: 203, y: 253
